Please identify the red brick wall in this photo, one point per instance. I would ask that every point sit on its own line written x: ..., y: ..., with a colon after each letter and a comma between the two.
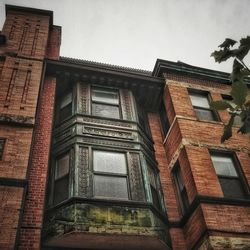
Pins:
x: 10, y: 203
x: 16, y: 151
x: 37, y: 176
x: 27, y: 34
x: 226, y: 218
x: 170, y: 197
x: 53, y: 49
x: 203, y: 172
x: 20, y: 83
x: 189, y: 141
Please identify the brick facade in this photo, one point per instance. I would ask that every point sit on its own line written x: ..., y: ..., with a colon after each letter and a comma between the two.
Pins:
x: 29, y: 93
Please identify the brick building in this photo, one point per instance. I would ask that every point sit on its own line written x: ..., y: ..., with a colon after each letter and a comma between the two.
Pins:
x: 95, y: 156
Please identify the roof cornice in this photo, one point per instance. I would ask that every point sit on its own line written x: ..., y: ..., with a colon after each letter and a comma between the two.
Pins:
x: 164, y: 66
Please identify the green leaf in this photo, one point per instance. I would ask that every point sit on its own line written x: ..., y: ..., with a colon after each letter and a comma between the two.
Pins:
x: 245, y: 41
x: 220, y: 105
x: 245, y: 128
x: 222, y: 55
x: 239, y: 92
x: 241, y: 52
x: 227, y: 43
x: 228, y: 129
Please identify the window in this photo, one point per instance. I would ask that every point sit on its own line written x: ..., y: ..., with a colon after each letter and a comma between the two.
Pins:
x: 61, y: 185
x: 181, y: 189
x: 65, y: 106
x: 164, y: 120
x: 200, y: 102
x: 225, y: 168
x: 110, y: 175
x: 143, y: 119
x: 154, y: 187
x: 237, y: 119
x: 105, y: 103
x: 2, y: 143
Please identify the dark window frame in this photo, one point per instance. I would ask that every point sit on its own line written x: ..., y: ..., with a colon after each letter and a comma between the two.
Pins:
x: 206, y: 95
x: 3, y: 142
x: 65, y: 176
x: 165, y: 126
x: 181, y: 188
x: 237, y: 167
x: 156, y: 200
x: 111, y: 174
x: 61, y: 117
x: 106, y: 103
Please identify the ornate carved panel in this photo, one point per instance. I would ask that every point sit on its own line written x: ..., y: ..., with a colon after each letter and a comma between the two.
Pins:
x: 84, y: 101
x: 106, y: 122
x: 108, y: 133
x: 126, y: 105
x: 135, y: 177
x: 111, y: 143
x: 84, y: 174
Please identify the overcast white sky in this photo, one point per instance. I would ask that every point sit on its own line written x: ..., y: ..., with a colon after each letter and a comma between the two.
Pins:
x: 135, y: 33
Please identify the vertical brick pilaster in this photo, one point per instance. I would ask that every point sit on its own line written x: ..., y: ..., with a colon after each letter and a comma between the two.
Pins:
x: 37, y: 176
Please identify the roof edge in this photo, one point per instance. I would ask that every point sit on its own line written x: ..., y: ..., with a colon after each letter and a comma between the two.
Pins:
x: 164, y: 66
x: 105, y: 65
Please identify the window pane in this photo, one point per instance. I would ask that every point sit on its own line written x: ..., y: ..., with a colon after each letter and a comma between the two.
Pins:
x: 67, y: 99
x: 155, y: 197
x: 105, y: 110
x: 152, y: 177
x: 107, y: 96
x: 109, y: 186
x: 179, y: 179
x: 232, y: 188
x: 61, y: 189
x: 199, y: 100
x: 224, y: 165
x: 110, y: 162
x: 163, y: 118
x: 205, y: 115
x: 62, y: 166
x: 184, y: 199
x: 65, y: 112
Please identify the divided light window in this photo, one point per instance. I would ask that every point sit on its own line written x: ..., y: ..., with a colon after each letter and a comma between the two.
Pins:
x: 226, y: 170
x: 164, y: 120
x: 110, y: 175
x: 65, y: 106
x: 105, y: 103
x: 2, y: 143
x: 200, y: 102
x: 154, y: 187
x: 181, y: 189
x: 61, y: 184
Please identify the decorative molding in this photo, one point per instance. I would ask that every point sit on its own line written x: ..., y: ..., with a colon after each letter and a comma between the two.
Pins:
x: 84, y: 184
x: 108, y: 133
x: 17, y: 119
x: 106, y: 122
x: 126, y: 105
x: 62, y: 136
x: 84, y: 98
x: 111, y: 143
x: 135, y: 177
